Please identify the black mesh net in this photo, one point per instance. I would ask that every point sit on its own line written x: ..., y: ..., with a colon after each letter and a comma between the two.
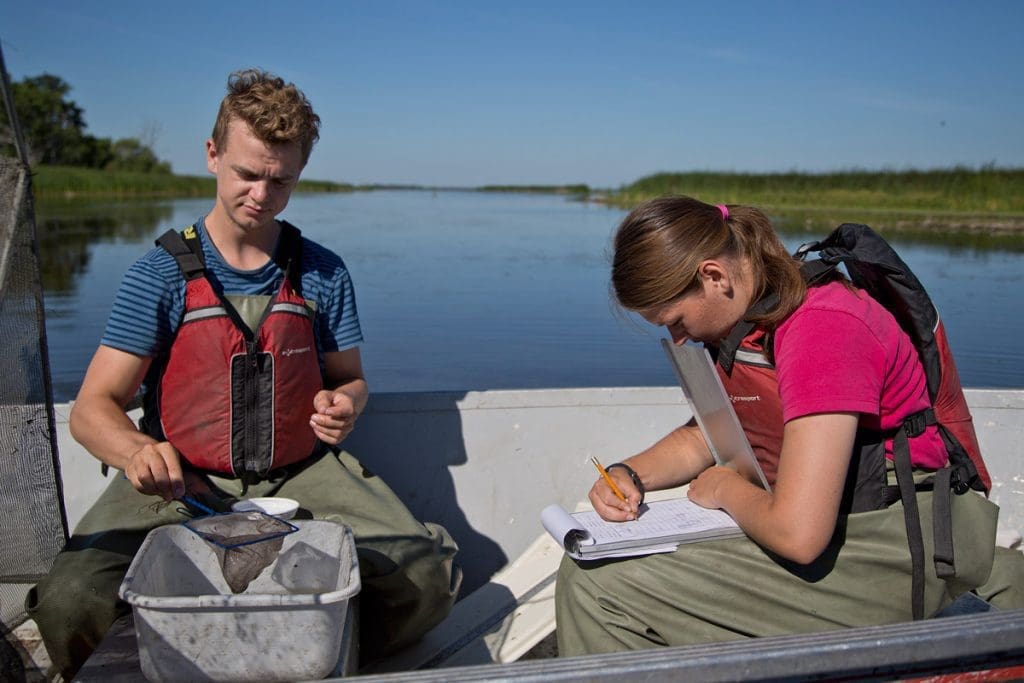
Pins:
x: 32, y: 522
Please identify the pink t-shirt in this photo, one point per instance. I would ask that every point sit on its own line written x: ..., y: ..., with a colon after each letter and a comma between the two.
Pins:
x: 841, y: 351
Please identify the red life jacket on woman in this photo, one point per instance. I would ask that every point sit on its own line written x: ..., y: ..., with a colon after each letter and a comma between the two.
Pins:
x: 231, y: 399
x: 744, y: 362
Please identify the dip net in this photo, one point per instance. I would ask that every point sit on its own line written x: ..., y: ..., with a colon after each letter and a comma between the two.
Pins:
x: 32, y: 521
x: 246, y: 543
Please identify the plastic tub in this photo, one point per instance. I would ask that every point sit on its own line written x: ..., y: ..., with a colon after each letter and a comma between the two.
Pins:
x: 289, y: 623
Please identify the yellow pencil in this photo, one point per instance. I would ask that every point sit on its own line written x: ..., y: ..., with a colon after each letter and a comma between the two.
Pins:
x: 608, y: 480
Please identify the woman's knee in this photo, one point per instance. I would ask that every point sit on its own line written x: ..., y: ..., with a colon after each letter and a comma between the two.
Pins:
x: 576, y: 592
x: 1005, y: 585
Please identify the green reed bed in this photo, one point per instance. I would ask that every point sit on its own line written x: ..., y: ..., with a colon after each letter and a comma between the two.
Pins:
x: 987, y: 191
x: 576, y: 190
x: 70, y: 181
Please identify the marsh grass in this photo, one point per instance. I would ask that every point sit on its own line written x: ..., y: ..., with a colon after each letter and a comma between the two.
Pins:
x: 984, y: 191
x: 72, y: 182
x: 578, y: 190
x: 983, y: 207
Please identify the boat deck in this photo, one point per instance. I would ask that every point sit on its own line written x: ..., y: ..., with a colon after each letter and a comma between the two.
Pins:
x: 480, y: 457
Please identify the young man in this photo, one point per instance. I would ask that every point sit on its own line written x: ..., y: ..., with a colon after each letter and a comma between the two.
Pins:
x: 242, y: 335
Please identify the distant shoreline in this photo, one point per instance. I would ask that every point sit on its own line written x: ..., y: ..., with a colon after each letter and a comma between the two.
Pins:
x: 985, y: 201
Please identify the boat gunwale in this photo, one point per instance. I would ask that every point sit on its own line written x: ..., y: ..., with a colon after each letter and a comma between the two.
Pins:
x: 992, y: 640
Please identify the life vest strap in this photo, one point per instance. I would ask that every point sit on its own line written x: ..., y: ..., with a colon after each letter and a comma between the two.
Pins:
x: 914, y: 425
x: 942, y: 515
x: 190, y: 262
x: 912, y: 520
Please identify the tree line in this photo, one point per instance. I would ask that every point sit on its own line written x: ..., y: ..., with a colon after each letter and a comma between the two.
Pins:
x: 54, y: 130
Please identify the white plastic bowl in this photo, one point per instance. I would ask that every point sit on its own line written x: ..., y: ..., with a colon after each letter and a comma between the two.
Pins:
x: 284, y: 508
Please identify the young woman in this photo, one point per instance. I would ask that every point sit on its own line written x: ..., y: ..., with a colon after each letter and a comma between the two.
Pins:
x: 831, y: 373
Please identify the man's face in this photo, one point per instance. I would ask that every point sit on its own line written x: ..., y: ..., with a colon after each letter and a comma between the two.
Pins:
x: 254, y: 179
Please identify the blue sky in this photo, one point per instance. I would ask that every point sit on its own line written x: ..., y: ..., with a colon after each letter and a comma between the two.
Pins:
x: 471, y: 93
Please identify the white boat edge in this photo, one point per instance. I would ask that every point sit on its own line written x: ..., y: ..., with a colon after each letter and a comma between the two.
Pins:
x: 487, y: 462
x: 493, y: 459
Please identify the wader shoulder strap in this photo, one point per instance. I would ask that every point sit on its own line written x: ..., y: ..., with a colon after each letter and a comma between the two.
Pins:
x: 915, y: 425
x: 912, y: 520
x: 942, y: 515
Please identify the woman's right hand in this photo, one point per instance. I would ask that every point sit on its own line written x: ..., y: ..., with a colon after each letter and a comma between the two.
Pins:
x: 608, y: 505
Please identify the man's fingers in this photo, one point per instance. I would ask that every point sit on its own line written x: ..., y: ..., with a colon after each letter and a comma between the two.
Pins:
x: 172, y: 468
x: 334, y: 433
x: 161, y: 481
x: 321, y: 401
x: 156, y: 470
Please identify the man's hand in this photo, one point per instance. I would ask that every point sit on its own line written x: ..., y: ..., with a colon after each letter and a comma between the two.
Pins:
x: 155, y: 469
x: 334, y: 417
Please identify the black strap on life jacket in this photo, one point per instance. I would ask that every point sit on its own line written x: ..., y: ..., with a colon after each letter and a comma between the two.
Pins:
x: 188, y: 257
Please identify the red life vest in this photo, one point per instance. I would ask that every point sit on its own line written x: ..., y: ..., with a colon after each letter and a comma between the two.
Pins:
x: 745, y: 366
x: 231, y: 399
x: 754, y: 391
x: 874, y: 266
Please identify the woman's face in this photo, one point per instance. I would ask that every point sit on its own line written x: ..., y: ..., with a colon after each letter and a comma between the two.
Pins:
x: 708, y: 313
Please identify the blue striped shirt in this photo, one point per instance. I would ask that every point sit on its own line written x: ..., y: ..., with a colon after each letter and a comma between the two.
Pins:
x: 151, y: 298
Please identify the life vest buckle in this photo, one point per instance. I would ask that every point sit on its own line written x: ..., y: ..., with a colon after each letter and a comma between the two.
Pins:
x: 802, y: 251
x: 914, y: 425
x: 959, y: 481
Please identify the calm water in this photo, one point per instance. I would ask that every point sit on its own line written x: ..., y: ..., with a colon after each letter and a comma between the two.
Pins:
x: 470, y: 291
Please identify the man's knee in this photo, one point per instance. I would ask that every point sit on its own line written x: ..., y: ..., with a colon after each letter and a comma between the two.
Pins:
x: 75, y: 604
x: 72, y: 614
x: 407, y: 589
x: 70, y: 595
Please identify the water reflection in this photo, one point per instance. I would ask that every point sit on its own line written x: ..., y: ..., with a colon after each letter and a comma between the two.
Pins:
x: 954, y: 232
x: 67, y: 230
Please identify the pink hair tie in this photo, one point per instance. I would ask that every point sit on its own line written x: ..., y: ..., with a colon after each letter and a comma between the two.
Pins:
x: 725, y: 211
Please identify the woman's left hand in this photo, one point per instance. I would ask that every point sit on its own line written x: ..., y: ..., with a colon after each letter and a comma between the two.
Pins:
x: 706, y: 489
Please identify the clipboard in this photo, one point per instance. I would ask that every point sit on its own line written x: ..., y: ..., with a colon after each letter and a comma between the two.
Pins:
x: 713, y: 410
x: 663, y: 526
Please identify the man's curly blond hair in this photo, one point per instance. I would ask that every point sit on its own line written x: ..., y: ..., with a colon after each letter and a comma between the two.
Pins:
x: 275, y: 111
